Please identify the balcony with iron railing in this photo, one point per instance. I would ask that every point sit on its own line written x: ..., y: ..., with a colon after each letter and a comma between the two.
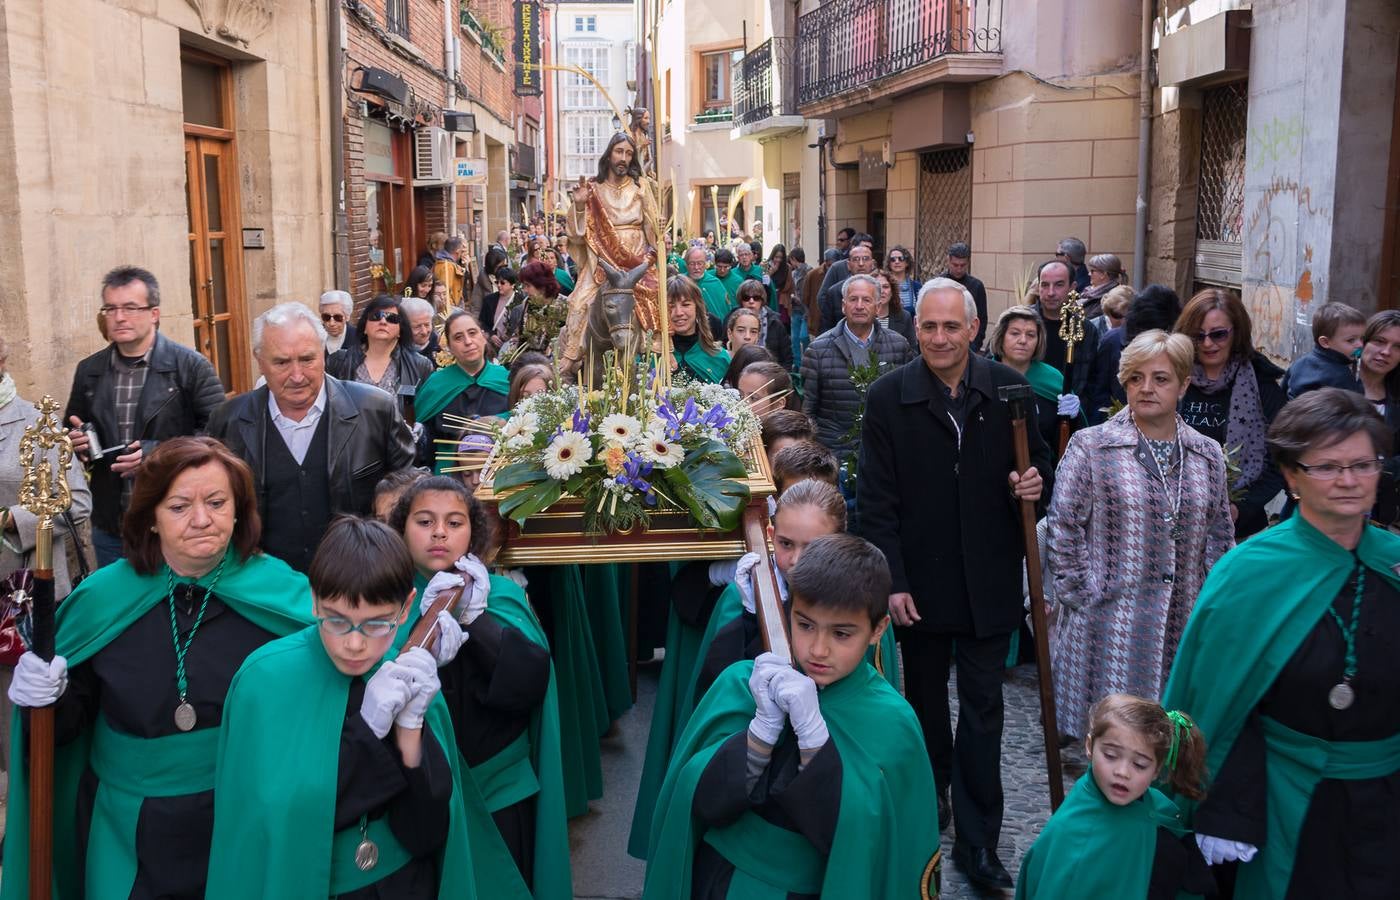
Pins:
x: 765, y: 91
x: 856, y: 51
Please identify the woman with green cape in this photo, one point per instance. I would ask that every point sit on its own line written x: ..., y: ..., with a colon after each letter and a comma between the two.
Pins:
x: 146, y: 649
x: 694, y: 350
x: 1290, y: 666
x: 470, y: 388
x: 500, y: 689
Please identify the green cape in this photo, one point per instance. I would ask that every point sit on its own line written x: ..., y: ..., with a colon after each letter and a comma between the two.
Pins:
x: 274, y: 820
x: 705, y: 366
x: 443, y: 385
x: 566, y: 281
x: 731, y: 284
x: 583, y: 713
x: 886, y: 843
x: 552, y: 875
x: 1257, y: 605
x: 607, y: 611
x: 718, y: 300
x: 262, y: 589
x: 1093, y: 848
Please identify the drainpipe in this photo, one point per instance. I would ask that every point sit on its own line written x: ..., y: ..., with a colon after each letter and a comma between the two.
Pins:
x: 449, y: 58
x: 1144, y: 180
x: 340, y: 226
x: 821, y: 197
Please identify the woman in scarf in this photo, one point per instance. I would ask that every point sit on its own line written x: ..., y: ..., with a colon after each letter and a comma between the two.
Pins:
x: 145, y: 651
x: 1380, y: 381
x: 1232, y: 398
x: 1105, y: 274
x: 1290, y: 666
x: 1140, y: 515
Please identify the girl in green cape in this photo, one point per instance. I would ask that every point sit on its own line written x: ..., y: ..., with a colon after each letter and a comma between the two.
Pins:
x: 372, y: 804
x: 146, y: 649
x: 470, y: 388
x: 500, y: 689
x: 803, y: 782
x: 693, y: 349
x: 1116, y: 835
x: 1289, y: 662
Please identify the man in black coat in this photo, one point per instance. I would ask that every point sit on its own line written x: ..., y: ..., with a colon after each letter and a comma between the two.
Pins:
x: 959, y: 264
x: 1055, y: 282
x: 939, y: 495
x: 141, y: 389
x: 317, y: 445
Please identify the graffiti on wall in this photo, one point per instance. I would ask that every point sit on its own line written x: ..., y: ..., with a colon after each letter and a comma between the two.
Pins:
x: 1277, y: 140
x: 1279, y: 288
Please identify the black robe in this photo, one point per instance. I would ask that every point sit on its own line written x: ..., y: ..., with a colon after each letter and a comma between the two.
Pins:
x: 1350, y: 837
x: 497, y: 681
x: 131, y: 683
x: 807, y: 802
x: 474, y: 402
x: 372, y: 781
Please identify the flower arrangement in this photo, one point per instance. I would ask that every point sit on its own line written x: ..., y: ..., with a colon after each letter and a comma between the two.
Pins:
x: 627, y: 450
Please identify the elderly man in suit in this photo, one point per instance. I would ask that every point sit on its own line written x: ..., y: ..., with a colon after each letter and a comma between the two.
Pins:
x: 317, y: 445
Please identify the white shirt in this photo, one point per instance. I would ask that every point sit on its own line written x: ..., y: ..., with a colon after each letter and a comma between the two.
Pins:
x: 297, y: 435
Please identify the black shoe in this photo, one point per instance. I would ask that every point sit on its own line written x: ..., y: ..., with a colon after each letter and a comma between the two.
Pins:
x: 945, y: 811
x: 981, y: 866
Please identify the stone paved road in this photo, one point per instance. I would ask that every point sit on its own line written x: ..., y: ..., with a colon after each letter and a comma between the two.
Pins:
x: 604, y: 871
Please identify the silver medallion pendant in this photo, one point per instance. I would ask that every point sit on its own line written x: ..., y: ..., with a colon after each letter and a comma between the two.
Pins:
x: 185, y: 717
x: 1341, y: 696
x: 366, y: 855
x: 1178, y: 532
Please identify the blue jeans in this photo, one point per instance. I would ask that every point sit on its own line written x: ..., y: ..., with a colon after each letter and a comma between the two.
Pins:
x: 107, y: 546
x: 799, y: 340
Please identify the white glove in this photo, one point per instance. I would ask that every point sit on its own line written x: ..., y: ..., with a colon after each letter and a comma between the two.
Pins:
x: 425, y: 684
x: 475, y: 571
x: 417, y: 429
x: 386, y: 694
x: 38, y: 683
x: 442, y: 581
x: 796, y: 695
x: 450, y: 638
x: 768, y: 717
x: 743, y: 579
x: 1067, y: 405
x: 722, y: 572
x: 1220, y: 850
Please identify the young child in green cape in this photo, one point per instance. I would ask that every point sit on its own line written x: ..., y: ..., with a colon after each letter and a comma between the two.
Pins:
x: 807, y: 781
x: 387, y: 818
x: 1116, y: 835
x: 500, y: 689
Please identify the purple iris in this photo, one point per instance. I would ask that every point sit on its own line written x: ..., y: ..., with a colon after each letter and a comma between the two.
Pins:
x: 634, y: 474
x: 580, y: 423
x: 673, y: 424
x: 717, y: 418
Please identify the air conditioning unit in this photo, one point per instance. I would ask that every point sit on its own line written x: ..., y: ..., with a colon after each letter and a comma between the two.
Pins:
x: 433, y: 151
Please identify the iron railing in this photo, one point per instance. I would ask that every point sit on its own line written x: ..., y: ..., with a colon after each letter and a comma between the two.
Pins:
x: 524, y: 163
x: 845, y: 44
x: 766, y: 85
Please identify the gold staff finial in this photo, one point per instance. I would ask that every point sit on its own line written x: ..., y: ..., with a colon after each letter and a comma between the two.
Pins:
x: 1071, y: 324
x: 43, y: 491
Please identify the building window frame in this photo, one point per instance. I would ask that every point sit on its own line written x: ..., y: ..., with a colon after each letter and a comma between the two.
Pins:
x: 585, y: 24
x: 595, y: 58
x: 586, y: 136
x: 396, y: 17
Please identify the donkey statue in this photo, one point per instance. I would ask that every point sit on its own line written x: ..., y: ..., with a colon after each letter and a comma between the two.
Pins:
x: 612, y: 319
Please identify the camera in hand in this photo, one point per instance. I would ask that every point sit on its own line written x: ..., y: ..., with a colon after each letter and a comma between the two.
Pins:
x: 96, y: 451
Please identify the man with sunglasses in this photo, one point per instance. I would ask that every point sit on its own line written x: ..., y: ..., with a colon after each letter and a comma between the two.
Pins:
x: 337, y: 309
x: 141, y: 389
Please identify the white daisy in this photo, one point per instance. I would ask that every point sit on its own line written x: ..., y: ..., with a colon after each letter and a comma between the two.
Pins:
x: 566, y: 454
x: 663, y: 453
x: 520, y: 430
x: 620, y: 428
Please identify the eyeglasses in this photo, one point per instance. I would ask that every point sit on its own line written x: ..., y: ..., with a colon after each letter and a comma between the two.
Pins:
x: 895, y: 258
x: 332, y: 317
x: 339, y: 626
x: 1330, y: 471
x: 1215, y: 336
x: 110, y: 311
x: 384, y: 315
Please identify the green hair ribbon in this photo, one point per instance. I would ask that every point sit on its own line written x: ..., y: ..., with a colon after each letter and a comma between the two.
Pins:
x: 1181, y: 726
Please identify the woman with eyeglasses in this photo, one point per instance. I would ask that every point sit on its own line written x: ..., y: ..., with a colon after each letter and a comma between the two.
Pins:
x: 1290, y: 665
x: 1139, y: 515
x: 384, y: 356
x: 1232, y: 398
x: 899, y: 262
x: 1380, y: 380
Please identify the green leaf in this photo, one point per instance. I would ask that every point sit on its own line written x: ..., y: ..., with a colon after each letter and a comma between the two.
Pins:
x: 711, y: 482
x: 527, y: 501
x: 517, y: 474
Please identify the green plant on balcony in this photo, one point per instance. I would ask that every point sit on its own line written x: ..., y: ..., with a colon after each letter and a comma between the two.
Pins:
x: 711, y: 116
x: 492, y: 37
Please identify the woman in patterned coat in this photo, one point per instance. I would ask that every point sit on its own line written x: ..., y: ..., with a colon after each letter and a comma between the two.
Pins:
x: 1141, y: 512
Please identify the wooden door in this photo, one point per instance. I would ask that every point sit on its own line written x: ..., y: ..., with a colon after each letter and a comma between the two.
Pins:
x: 216, y: 270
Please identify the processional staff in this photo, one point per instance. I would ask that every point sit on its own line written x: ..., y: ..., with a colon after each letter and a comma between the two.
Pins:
x: 1017, y: 396
x: 1071, y: 332
x: 44, y: 492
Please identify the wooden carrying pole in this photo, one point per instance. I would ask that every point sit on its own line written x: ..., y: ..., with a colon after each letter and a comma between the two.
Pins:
x: 44, y: 492
x: 772, y: 624
x: 1017, y: 396
x: 424, y: 633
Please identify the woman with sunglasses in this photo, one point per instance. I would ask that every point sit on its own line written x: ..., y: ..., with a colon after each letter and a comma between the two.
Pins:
x: 384, y: 356
x: 899, y: 262
x: 1380, y: 381
x: 1232, y: 398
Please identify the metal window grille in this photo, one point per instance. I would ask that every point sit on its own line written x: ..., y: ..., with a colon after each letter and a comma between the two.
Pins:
x: 1220, y: 205
x: 945, y: 206
x: 396, y: 17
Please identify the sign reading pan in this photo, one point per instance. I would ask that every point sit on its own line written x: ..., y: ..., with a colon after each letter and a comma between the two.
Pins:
x: 527, y: 53
x: 471, y: 171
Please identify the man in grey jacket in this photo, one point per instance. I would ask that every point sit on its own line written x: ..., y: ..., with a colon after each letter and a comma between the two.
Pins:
x: 831, y: 395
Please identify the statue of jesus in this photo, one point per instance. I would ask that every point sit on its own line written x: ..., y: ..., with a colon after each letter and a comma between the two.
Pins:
x: 612, y: 217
